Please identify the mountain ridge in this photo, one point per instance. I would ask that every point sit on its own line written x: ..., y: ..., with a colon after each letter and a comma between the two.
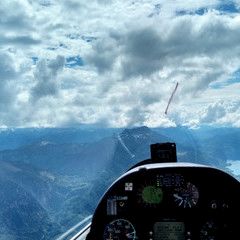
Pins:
x: 65, y: 179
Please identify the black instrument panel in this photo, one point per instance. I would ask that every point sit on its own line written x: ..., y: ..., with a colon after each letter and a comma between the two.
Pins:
x: 170, y: 203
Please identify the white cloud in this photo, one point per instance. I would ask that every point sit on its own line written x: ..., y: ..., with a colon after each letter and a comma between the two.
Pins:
x: 234, y: 167
x: 7, y: 68
x: 15, y: 15
x: 8, y: 76
x: 133, y: 54
x: 46, y: 77
x: 214, y: 112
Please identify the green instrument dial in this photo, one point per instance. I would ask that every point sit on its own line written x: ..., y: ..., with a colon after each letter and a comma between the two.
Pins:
x: 152, y: 195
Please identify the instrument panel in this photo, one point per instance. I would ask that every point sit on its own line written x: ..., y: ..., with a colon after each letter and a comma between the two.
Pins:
x: 170, y: 203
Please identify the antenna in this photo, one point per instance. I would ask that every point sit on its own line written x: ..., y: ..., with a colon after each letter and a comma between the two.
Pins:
x: 171, y: 98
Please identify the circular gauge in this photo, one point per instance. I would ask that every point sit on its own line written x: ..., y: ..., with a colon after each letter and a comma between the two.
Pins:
x: 152, y: 195
x: 186, y: 196
x: 119, y: 229
x: 208, y: 231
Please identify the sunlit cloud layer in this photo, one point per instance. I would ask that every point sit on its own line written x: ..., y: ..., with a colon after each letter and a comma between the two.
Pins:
x: 115, y: 63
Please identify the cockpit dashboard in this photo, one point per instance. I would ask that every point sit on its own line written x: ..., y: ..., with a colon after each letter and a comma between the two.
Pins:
x: 169, y: 201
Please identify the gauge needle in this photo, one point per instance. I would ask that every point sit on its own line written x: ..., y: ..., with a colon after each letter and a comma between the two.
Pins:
x: 130, y: 234
x: 178, y: 198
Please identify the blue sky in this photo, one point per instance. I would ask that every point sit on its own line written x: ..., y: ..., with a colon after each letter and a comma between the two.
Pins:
x: 233, y: 79
x: 115, y: 63
x: 222, y: 7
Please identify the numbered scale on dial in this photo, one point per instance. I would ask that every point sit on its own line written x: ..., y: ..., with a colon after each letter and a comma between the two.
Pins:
x: 120, y: 229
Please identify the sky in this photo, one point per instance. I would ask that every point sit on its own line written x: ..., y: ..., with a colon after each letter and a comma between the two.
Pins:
x: 115, y: 63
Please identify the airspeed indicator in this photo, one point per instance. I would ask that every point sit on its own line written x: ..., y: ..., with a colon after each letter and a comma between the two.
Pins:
x: 119, y: 229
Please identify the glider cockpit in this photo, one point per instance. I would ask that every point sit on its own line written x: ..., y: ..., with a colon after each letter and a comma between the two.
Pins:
x: 161, y: 199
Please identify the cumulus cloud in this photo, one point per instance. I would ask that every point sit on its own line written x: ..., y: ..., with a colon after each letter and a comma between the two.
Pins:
x: 46, y: 77
x: 8, y: 91
x: 19, y: 40
x: 128, y: 57
x: 15, y: 15
x: 7, y: 68
x: 144, y: 53
x: 8, y: 73
x: 222, y: 112
x: 186, y: 44
x: 103, y: 55
x: 214, y: 112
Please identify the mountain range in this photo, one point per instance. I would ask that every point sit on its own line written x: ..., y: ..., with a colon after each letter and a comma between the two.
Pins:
x: 51, y: 178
